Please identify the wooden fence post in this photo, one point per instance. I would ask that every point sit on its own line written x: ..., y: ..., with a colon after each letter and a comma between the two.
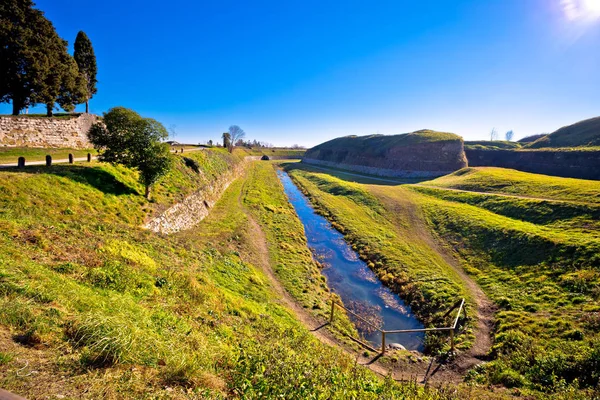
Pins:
x: 89, y: 157
x: 71, y: 160
x: 48, y: 160
x: 182, y: 149
x: 21, y: 162
x: 382, y: 342
x: 332, y: 311
x: 452, y: 339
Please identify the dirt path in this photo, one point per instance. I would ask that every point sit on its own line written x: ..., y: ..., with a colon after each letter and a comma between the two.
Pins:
x: 397, y: 201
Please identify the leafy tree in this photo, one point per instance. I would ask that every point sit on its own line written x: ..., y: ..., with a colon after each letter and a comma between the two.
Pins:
x: 27, y: 42
x: 226, y: 140
x: 128, y: 139
x: 235, y: 135
x: 86, y: 61
x: 509, y: 135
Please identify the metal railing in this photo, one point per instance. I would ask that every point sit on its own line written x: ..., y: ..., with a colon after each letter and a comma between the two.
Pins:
x: 452, y: 329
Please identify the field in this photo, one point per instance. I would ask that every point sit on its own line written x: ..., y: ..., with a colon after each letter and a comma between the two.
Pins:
x: 536, y: 260
x: 94, y: 306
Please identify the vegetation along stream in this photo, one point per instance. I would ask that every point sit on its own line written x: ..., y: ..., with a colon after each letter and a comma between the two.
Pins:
x: 351, y: 279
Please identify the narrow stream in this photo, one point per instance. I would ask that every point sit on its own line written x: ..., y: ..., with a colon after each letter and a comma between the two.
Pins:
x: 350, y: 277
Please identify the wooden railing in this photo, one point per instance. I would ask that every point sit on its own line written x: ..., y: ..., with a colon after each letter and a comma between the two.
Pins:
x: 452, y: 329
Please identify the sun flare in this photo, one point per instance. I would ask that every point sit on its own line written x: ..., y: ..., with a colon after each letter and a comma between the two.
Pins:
x: 581, y: 9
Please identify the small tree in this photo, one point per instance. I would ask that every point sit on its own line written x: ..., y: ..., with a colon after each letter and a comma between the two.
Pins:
x: 128, y: 139
x: 86, y: 61
x: 509, y: 135
x: 236, y: 134
x: 493, y: 134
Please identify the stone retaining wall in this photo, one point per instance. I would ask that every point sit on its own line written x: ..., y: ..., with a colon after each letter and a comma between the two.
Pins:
x: 569, y: 164
x: 24, y: 131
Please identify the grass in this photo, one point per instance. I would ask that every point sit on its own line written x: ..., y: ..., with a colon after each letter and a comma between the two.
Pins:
x: 582, y: 133
x: 101, y: 308
x: 385, y: 239
x: 512, y: 182
x: 537, y: 260
x: 12, y: 154
x: 378, y: 144
x: 494, y: 145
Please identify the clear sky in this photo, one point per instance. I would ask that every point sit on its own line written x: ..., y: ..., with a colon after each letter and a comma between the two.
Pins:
x: 306, y: 71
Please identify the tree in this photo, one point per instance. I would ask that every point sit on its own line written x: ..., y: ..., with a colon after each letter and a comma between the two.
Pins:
x: 493, y: 134
x: 86, y: 61
x: 235, y: 135
x: 509, y: 135
x: 28, y: 43
x: 226, y: 140
x: 128, y: 139
x: 73, y: 88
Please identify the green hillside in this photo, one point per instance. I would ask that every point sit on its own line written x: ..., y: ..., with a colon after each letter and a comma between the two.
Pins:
x: 377, y: 144
x: 93, y: 306
x: 530, y: 242
x: 582, y: 133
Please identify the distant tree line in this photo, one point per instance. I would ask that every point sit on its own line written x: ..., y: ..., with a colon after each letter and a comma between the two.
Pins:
x: 508, y: 135
x: 35, y: 66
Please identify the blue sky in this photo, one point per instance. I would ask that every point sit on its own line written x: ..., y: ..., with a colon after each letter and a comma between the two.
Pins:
x: 306, y: 71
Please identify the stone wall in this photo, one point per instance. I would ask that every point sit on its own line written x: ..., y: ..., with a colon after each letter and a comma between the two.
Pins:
x: 195, y: 207
x: 404, y: 156
x: 25, y: 131
x: 570, y: 164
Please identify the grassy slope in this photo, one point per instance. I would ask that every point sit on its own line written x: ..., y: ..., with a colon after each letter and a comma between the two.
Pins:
x: 538, y: 261
x: 402, y: 260
x: 582, y: 133
x: 488, y: 144
x: 12, y: 154
x: 377, y: 144
x: 509, y: 181
x: 101, y: 308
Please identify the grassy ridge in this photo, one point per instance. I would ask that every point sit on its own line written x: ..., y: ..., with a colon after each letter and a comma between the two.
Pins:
x: 513, y: 182
x: 401, y: 259
x: 582, y: 133
x: 538, y: 261
x: 101, y: 308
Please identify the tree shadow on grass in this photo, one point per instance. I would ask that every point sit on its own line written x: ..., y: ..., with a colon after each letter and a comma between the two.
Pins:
x: 93, y: 176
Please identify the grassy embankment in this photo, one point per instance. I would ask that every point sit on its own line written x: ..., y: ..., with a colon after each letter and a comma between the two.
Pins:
x: 12, y: 154
x: 384, y: 238
x: 93, y: 306
x: 538, y: 261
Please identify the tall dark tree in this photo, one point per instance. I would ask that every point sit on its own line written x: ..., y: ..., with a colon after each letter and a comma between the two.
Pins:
x: 126, y: 138
x: 226, y: 140
x: 86, y: 61
x: 25, y: 35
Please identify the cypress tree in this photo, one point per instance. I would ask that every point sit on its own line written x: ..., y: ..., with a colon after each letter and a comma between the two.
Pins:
x: 25, y: 57
x: 86, y: 61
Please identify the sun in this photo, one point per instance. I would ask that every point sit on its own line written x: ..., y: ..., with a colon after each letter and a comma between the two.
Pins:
x: 592, y: 7
x: 581, y: 9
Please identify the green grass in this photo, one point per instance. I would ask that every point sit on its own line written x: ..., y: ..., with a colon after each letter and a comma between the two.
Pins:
x: 12, y: 154
x: 513, y: 182
x: 374, y: 145
x: 281, y: 152
x: 538, y: 261
x: 385, y: 239
x: 582, y: 133
x: 545, y: 281
x: 101, y: 308
x: 488, y: 144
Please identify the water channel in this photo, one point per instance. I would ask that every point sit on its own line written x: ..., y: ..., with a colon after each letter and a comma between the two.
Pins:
x: 351, y: 279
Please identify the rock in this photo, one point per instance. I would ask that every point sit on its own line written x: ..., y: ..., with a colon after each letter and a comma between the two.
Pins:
x: 396, y: 346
